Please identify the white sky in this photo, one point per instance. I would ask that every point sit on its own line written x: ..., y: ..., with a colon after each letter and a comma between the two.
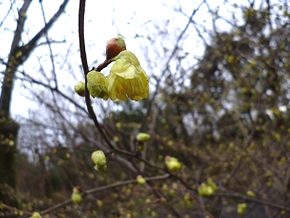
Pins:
x: 104, y: 20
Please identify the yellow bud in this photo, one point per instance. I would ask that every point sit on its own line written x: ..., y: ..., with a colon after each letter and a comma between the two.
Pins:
x: 97, y: 84
x: 80, y: 88
x: 209, y: 190
x: 172, y: 163
x: 76, y: 195
x: 36, y: 215
x: 99, y: 158
x: 67, y: 155
x: 242, y: 208
x: 118, y: 125
x: 99, y: 203
x: 116, y: 138
x: 11, y: 143
x: 186, y: 197
x: 143, y: 137
x: 170, y: 143
x: 205, y: 190
x: 212, y: 184
x: 251, y: 194
x: 140, y: 180
x: 172, y: 192
x: 164, y: 187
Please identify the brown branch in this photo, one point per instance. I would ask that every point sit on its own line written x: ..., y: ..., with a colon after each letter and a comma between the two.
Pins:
x: 20, y: 24
x: 256, y: 200
x: 175, y: 49
x: 106, y: 187
x: 86, y: 71
x: 6, y: 91
x: 32, y: 43
x: 49, y: 47
x: 18, y: 55
x: 15, y: 209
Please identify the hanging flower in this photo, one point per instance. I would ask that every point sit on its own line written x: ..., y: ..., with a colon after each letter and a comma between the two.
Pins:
x: 127, y: 78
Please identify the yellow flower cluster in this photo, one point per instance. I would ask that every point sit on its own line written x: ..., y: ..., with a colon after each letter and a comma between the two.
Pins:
x: 126, y: 79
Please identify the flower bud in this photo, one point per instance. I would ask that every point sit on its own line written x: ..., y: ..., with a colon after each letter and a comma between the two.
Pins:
x: 140, y: 180
x: 36, y: 215
x: 100, y: 203
x: 143, y: 137
x: 97, y: 84
x: 114, y: 47
x: 172, y: 163
x: 76, y: 195
x: 251, y: 194
x: 212, y: 184
x: 118, y: 125
x: 162, y: 200
x: 99, y: 158
x: 164, y: 187
x: 202, y: 189
x: 187, y: 197
x: 242, y: 208
x: 205, y: 190
x: 80, y: 88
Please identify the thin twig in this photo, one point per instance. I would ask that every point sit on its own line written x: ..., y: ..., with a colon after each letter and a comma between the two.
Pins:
x: 86, y: 71
x: 256, y: 200
x: 98, y: 189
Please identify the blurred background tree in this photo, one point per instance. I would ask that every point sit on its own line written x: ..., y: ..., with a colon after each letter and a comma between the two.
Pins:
x: 19, y: 53
x: 223, y: 112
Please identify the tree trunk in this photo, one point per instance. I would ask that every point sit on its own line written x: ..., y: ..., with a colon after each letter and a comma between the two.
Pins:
x: 8, y: 152
x: 8, y: 128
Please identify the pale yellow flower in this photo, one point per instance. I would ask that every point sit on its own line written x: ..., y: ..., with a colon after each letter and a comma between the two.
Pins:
x: 127, y: 78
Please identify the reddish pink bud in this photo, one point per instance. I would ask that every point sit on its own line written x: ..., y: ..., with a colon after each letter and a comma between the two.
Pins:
x: 114, y: 47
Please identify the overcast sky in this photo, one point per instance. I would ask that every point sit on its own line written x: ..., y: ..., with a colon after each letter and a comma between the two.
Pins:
x: 136, y: 21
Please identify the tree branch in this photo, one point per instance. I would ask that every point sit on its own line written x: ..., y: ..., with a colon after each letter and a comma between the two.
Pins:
x: 106, y: 187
